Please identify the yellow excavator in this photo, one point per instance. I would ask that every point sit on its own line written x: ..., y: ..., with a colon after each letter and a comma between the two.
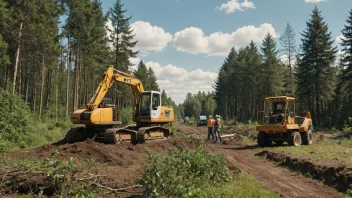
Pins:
x: 101, y: 119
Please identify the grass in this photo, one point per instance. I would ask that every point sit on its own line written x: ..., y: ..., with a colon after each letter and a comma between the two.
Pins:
x: 196, y: 173
x: 242, y: 185
x: 337, y: 150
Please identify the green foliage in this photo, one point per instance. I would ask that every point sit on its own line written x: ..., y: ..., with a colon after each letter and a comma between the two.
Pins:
x: 20, y: 128
x: 184, y: 173
x: 196, y: 173
x: 198, y: 104
x: 335, y: 150
x: 272, y: 70
x: 147, y: 77
x: 315, y: 75
x: 242, y: 185
x: 67, y: 176
x: 122, y: 36
x: 125, y: 115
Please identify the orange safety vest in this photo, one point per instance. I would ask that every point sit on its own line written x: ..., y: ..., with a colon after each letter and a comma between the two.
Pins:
x: 210, y: 122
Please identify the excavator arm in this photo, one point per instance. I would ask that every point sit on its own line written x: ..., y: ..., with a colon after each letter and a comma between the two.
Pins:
x: 107, y: 80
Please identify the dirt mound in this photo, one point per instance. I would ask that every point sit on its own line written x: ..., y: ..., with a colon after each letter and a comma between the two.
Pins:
x: 331, y: 173
x: 123, y: 154
x: 122, y: 165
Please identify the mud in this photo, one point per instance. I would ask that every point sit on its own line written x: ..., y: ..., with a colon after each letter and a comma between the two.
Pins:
x: 337, y: 176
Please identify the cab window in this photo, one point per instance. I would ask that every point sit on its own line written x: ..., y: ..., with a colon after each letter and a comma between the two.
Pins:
x: 156, y: 101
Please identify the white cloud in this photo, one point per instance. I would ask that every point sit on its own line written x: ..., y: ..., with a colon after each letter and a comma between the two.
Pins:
x: 177, y: 81
x: 284, y: 59
x: 234, y: 5
x: 134, y: 62
x: 338, y: 38
x: 315, y: 1
x: 150, y: 38
x: 193, y: 40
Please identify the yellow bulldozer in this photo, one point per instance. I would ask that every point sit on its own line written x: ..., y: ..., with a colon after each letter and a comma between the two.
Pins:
x: 101, y: 117
x: 279, y: 123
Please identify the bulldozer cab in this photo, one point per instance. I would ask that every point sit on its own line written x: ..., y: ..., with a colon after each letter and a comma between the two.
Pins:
x: 278, y: 110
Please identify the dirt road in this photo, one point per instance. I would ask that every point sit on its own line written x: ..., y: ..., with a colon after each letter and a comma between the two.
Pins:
x: 277, y: 179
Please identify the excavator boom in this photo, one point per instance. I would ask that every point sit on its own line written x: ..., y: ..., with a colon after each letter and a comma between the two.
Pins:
x: 108, y: 78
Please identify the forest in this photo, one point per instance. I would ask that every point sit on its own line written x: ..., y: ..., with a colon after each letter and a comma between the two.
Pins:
x: 53, y: 53
x: 314, y: 71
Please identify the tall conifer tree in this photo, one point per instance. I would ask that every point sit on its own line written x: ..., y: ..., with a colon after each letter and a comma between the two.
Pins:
x: 272, y: 72
x: 316, y: 77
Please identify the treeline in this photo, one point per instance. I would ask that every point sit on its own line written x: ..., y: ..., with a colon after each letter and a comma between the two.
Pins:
x: 53, y: 53
x: 198, y: 104
x: 314, y: 73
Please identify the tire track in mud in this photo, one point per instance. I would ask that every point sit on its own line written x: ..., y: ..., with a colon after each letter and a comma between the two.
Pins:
x: 273, y: 177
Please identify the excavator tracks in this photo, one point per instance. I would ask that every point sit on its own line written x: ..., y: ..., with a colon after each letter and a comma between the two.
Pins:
x: 129, y: 134
x: 151, y: 133
x: 118, y: 135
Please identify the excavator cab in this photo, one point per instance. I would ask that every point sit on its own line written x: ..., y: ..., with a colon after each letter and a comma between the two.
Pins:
x: 149, y: 104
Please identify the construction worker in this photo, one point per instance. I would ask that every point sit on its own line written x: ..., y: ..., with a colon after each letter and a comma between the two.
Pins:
x: 210, y: 128
x: 217, y: 125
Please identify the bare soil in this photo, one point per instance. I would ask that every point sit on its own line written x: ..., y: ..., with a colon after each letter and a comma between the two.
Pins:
x: 330, y: 173
x: 280, y: 180
x: 124, y: 164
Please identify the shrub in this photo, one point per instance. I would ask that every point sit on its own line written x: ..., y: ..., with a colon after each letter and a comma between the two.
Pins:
x: 20, y: 128
x: 179, y: 173
x: 125, y: 115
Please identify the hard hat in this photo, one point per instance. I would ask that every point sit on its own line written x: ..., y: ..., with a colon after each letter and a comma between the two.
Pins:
x: 210, y: 116
x: 217, y: 116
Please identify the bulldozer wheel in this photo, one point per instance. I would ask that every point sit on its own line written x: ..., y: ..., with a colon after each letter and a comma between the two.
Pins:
x: 263, y: 139
x: 294, y: 139
x: 307, y: 137
x: 279, y: 143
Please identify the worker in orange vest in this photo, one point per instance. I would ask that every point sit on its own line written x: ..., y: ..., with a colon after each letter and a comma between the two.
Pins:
x: 217, y: 125
x: 210, y: 128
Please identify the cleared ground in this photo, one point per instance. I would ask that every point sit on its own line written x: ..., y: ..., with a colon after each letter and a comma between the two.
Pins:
x: 120, y: 166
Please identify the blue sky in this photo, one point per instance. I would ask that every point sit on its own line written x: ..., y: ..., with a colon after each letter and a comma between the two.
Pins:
x: 191, y: 38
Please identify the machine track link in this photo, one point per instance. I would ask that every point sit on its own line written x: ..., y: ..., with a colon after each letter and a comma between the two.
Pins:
x: 151, y: 133
x: 118, y: 135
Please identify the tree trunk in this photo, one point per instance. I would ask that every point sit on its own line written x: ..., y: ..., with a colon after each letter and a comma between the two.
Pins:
x: 17, y: 58
x: 68, y: 74
x: 42, y: 88
x: 20, y: 79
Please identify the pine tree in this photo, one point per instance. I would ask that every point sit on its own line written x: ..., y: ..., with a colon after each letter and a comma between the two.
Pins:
x: 122, y: 36
x: 344, y: 88
x: 273, y: 73
x: 152, y: 81
x: 226, y: 86
x: 316, y: 78
x: 288, y: 43
x: 347, y: 48
x: 4, y: 59
x: 142, y: 74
